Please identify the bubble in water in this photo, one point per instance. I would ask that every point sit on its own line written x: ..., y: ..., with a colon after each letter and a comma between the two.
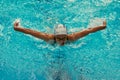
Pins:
x: 102, y: 2
x: 112, y: 16
x: 106, y: 1
x: 1, y: 29
x: 71, y: 0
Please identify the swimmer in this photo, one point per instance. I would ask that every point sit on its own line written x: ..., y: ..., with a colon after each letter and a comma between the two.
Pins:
x: 60, y: 35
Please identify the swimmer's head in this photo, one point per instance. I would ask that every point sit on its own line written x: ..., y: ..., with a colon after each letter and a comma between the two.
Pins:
x: 60, y: 32
x: 60, y: 29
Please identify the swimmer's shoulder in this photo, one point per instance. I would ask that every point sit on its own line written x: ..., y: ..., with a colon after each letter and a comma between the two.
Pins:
x: 70, y: 37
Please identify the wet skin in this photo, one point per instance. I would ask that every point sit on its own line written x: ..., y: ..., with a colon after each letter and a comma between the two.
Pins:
x: 61, y: 39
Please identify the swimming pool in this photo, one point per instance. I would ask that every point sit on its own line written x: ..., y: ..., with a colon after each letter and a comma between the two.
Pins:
x: 94, y: 57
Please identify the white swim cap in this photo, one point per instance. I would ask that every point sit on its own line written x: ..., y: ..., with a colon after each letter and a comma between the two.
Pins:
x: 60, y: 29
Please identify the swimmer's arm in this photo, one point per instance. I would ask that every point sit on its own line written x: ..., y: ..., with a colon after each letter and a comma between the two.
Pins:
x: 77, y: 35
x: 34, y: 33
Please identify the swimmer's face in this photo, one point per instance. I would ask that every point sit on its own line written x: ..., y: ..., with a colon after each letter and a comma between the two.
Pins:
x: 61, y: 39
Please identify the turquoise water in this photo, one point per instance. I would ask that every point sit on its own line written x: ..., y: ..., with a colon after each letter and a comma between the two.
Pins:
x: 94, y: 57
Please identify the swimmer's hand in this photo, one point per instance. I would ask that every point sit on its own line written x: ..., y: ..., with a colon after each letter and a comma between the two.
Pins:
x: 104, y: 23
x: 16, y: 23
